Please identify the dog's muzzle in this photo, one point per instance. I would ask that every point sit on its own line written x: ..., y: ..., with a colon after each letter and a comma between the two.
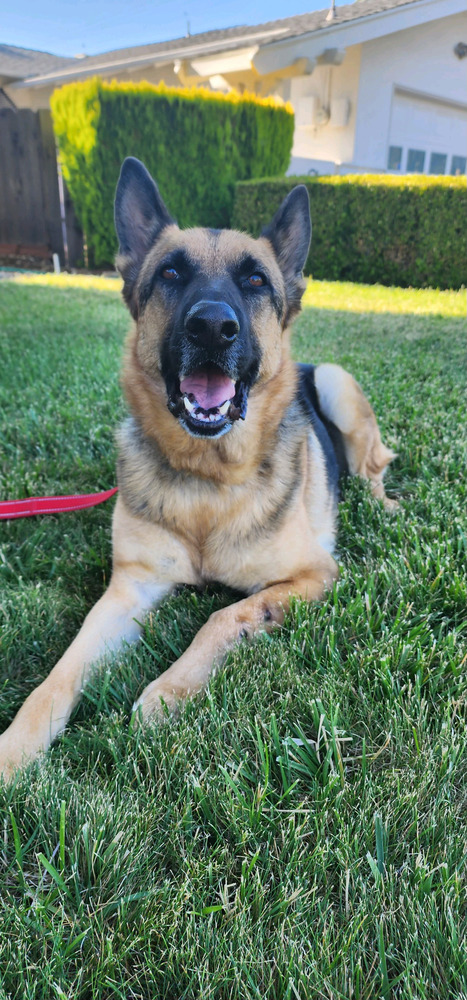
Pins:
x: 209, y: 396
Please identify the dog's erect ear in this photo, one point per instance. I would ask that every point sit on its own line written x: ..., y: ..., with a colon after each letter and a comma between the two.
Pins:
x: 289, y: 232
x: 140, y: 215
x: 139, y: 210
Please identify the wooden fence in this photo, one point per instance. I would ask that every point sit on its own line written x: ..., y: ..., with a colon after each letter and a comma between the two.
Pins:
x: 37, y: 219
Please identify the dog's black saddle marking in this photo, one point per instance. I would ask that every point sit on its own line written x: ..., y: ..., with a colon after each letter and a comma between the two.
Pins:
x: 329, y: 436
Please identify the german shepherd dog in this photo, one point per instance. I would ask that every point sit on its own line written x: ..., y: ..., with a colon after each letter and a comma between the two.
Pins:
x: 229, y: 463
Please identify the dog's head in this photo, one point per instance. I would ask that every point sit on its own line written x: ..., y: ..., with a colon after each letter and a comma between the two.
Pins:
x: 210, y: 305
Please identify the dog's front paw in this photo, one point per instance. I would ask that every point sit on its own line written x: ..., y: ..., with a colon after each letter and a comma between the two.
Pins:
x: 7, y: 770
x: 391, y: 505
x: 159, y: 700
x: 12, y: 758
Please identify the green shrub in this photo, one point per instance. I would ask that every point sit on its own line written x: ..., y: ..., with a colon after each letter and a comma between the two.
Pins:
x: 196, y: 144
x: 373, y: 228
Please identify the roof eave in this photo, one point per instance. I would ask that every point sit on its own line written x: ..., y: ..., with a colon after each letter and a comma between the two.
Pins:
x: 149, y: 59
x: 353, y: 32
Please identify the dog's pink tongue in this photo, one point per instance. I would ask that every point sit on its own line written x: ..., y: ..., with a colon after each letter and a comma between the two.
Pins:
x: 209, y: 387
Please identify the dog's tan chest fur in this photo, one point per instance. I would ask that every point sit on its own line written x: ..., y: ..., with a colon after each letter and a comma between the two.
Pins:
x: 244, y: 535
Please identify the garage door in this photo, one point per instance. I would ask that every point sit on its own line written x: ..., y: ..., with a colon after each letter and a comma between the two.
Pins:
x: 426, y: 136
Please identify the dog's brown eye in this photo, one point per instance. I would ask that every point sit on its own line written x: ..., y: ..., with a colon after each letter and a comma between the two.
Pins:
x: 255, y: 280
x: 170, y: 274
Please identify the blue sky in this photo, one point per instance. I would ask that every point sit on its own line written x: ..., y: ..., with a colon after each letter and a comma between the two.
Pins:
x: 67, y: 27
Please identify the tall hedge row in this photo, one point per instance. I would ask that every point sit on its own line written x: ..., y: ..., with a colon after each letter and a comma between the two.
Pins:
x: 196, y: 144
x: 373, y: 228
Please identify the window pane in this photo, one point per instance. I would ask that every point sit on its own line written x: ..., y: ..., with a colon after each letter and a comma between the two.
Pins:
x: 415, y: 161
x: 395, y: 157
x: 438, y: 163
x: 458, y: 165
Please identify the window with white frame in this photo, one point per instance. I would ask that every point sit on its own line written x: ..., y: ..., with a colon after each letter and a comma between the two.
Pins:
x: 422, y: 161
x: 426, y: 135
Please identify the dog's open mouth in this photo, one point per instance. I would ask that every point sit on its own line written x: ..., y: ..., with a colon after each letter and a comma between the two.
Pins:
x: 208, y: 401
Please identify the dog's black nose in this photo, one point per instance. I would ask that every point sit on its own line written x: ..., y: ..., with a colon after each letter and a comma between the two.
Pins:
x: 212, y: 324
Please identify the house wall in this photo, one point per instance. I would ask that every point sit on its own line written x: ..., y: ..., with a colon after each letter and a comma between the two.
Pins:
x: 314, y: 143
x: 419, y: 60
x: 36, y: 98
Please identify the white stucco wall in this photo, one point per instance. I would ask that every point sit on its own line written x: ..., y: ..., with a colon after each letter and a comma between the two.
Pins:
x: 420, y: 60
x: 326, y: 142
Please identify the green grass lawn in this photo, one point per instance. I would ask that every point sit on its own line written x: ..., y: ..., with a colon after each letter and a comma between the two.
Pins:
x: 217, y: 857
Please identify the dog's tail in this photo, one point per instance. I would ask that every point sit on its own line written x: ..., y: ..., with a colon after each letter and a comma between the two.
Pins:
x: 342, y: 401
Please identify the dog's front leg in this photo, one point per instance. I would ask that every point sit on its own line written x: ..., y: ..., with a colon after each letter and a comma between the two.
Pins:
x: 113, y: 620
x: 260, y: 612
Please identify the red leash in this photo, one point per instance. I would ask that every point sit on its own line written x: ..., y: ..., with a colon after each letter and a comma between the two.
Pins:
x: 51, y: 505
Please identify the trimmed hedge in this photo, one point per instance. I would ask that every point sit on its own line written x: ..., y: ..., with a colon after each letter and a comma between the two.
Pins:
x: 404, y: 231
x: 196, y: 144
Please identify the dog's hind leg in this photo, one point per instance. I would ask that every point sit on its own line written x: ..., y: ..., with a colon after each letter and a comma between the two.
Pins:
x: 342, y: 401
x: 257, y: 613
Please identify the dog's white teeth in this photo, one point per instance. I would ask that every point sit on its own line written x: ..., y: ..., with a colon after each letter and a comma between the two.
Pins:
x: 189, y: 406
x: 208, y: 418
